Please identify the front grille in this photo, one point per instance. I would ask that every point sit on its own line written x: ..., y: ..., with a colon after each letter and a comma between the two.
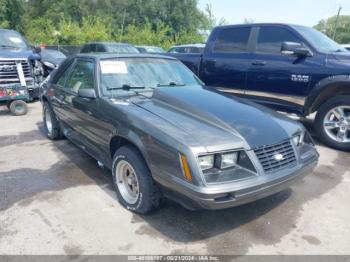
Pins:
x: 268, y: 156
x: 9, y: 73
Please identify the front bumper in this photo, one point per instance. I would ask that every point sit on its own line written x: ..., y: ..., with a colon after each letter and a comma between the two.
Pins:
x: 32, y: 88
x: 203, y: 198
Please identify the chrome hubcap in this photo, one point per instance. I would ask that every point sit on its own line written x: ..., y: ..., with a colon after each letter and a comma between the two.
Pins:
x: 48, y: 121
x: 127, y: 182
x: 337, y: 124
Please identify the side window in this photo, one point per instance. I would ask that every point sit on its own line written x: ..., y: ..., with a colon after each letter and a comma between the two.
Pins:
x: 271, y: 38
x: 62, y: 78
x: 233, y: 40
x: 86, y: 49
x: 100, y: 48
x: 81, y: 77
x: 188, y: 50
x: 92, y: 48
x: 174, y: 50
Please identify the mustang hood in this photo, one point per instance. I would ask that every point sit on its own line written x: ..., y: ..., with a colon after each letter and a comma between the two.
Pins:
x: 257, y: 125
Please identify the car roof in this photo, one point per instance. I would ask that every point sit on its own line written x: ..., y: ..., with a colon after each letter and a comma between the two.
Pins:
x: 190, y: 45
x: 259, y: 24
x: 147, y: 46
x: 102, y: 56
x: 108, y: 43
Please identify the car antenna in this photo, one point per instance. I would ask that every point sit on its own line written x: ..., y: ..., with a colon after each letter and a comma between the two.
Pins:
x: 120, y: 37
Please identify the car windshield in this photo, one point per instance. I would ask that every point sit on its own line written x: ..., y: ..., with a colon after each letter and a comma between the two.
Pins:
x: 319, y: 40
x: 155, y: 50
x: 10, y: 39
x: 123, y: 49
x: 125, y: 76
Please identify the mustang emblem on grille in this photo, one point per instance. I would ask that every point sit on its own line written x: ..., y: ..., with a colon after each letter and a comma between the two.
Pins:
x: 278, y: 157
x: 7, y: 68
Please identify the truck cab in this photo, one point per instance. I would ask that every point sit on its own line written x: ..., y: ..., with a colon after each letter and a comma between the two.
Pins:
x: 291, y: 68
x: 19, y: 63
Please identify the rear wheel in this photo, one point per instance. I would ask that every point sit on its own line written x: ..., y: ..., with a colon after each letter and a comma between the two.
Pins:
x: 333, y: 123
x: 18, y: 107
x: 51, y: 125
x: 135, y: 188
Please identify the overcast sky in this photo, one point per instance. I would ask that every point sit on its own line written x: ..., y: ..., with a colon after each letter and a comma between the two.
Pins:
x: 303, y: 12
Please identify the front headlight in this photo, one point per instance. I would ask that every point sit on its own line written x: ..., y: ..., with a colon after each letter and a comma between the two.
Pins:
x: 206, y: 162
x: 303, y: 138
x: 225, y: 161
x: 298, y: 139
x: 228, y: 160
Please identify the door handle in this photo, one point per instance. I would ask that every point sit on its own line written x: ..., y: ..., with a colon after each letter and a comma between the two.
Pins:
x: 259, y: 63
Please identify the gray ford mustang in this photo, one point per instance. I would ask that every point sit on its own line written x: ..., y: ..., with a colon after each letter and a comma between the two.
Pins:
x: 165, y: 135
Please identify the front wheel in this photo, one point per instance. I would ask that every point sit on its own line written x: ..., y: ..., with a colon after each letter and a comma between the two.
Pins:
x: 135, y: 188
x: 18, y: 107
x: 333, y: 123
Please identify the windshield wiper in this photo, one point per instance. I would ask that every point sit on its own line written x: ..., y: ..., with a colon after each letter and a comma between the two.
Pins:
x: 126, y: 88
x: 170, y: 84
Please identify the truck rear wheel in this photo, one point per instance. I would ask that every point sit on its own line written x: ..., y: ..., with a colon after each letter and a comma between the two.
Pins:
x: 18, y: 107
x: 333, y: 123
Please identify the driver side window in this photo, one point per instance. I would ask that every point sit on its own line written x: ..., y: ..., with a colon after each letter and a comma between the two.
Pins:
x: 81, y: 77
x: 271, y: 38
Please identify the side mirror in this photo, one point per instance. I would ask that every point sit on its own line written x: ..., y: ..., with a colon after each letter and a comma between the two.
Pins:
x: 87, y: 93
x: 292, y: 48
x: 37, y: 49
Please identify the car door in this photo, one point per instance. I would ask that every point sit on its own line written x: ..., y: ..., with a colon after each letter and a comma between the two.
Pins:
x: 82, y: 113
x: 275, y: 78
x: 58, y: 101
x: 226, y: 63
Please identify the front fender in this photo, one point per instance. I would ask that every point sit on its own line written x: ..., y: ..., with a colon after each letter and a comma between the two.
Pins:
x: 326, y: 88
x: 133, y: 138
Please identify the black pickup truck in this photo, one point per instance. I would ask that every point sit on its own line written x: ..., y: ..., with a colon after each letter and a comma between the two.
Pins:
x: 291, y: 68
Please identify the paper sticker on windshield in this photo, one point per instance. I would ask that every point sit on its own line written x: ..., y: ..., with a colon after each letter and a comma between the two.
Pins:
x: 113, y: 67
x: 16, y: 40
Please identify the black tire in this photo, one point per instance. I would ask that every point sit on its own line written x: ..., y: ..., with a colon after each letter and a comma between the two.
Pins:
x: 18, y: 107
x: 149, y: 197
x: 320, y: 117
x: 54, y: 132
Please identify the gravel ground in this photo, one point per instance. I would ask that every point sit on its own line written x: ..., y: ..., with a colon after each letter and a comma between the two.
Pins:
x: 54, y: 199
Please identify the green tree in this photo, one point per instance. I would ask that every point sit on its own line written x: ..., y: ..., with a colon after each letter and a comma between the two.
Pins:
x: 327, y: 27
x: 156, y: 22
x: 11, y: 13
x: 41, y: 30
x: 211, y: 21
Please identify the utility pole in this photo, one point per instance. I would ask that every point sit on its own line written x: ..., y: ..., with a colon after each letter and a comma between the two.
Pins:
x: 336, y: 23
